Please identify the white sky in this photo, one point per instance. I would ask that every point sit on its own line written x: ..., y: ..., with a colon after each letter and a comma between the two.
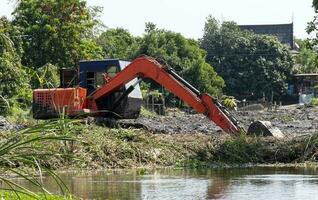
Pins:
x: 188, y: 16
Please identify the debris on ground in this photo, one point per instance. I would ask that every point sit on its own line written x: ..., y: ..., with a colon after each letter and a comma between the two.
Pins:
x: 291, y: 120
x: 4, y: 124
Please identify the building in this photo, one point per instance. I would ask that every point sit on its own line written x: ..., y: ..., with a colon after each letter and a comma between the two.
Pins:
x: 284, y: 32
x: 304, y: 86
x: 305, y: 83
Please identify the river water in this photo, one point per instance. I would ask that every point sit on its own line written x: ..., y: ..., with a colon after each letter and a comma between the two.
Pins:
x: 185, y: 184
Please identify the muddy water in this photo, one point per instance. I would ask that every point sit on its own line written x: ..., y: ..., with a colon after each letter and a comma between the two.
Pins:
x: 256, y: 183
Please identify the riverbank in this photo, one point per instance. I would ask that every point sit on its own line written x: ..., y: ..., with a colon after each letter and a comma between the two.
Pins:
x: 97, y: 147
x: 180, y: 139
x: 13, y: 196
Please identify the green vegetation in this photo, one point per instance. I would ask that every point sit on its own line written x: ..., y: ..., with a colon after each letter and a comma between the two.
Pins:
x: 146, y: 113
x: 102, y: 147
x: 63, y: 144
x: 14, y: 79
x: 50, y: 35
x: 312, y: 27
x: 251, y: 65
x: 54, y: 32
x: 118, y: 43
x: 30, y: 149
x: 314, y: 102
x: 306, y: 61
x: 229, y: 102
x: 183, y: 55
x: 12, y: 196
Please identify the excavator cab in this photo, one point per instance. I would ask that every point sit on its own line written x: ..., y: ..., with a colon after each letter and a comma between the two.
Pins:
x: 95, y: 74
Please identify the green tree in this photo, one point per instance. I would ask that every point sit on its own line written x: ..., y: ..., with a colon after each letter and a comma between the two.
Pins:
x: 14, y: 80
x: 54, y: 31
x: 307, y: 58
x: 306, y: 61
x: 250, y: 64
x: 118, y: 43
x: 312, y: 27
x: 90, y: 50
x: 183, y: 55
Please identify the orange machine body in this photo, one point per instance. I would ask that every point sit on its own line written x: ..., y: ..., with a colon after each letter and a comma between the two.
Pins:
x: 53, y: 102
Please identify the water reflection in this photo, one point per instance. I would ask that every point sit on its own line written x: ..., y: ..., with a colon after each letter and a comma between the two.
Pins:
x: 256, y: 183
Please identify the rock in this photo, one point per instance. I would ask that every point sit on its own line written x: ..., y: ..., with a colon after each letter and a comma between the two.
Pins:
x: 4, y: 124
x: 264, y: 128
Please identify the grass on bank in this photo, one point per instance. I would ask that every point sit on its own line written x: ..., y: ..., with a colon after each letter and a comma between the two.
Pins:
x: 102, y: 147
x: 12, y: 196
x: 29, y: 149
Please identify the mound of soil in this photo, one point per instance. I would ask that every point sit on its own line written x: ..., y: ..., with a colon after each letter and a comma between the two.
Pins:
x: 291, y: 120
x: 173, y: 123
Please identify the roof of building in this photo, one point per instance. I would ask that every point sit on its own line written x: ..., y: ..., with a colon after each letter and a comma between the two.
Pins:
x: 284, y: 32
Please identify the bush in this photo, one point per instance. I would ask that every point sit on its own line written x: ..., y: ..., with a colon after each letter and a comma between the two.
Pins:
x: 229, y: 102
x: 14, y: 85
x: 46, y: 76
x: 314, y: 102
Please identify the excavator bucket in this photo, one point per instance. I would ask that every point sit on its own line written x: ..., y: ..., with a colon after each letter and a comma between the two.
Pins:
x: 264, y: 128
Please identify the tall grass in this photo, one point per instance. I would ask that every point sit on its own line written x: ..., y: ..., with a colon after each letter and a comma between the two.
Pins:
x: 30, y: 148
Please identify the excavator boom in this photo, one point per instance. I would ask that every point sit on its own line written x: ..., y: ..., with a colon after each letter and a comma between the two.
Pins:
x: 147, y: 67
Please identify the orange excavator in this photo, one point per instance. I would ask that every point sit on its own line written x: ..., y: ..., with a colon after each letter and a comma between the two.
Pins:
x: 76, y: 101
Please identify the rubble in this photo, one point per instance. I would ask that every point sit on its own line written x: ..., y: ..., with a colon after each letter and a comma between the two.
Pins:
x: 4, y: 124
x: 291, y: 120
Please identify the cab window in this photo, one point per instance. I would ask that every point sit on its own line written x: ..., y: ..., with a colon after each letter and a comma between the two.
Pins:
x: 112, y: 71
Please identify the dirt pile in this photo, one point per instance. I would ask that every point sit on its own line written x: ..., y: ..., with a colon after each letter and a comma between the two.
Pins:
x: 175, y: 122
x: 291, y: 120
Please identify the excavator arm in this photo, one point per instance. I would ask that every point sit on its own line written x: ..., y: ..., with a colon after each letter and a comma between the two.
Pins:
x: 147, y: 67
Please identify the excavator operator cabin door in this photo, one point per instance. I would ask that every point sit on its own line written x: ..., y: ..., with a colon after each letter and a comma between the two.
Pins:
x: 92, y: 73
x: 97, y: 79
x: 91, y: 76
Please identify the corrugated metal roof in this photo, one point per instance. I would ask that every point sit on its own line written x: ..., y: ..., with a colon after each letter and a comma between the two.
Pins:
x: 284, y: 32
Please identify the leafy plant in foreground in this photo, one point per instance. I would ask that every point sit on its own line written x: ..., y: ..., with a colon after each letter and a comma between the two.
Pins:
x: 30, y: 148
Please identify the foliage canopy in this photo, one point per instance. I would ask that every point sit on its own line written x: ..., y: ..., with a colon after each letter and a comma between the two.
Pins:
x: 251, y: 65
x: 118, y: 43
x: 183, y: 55
x: 14, y: 80
x: 53, y: 31
x: 306, y: 61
